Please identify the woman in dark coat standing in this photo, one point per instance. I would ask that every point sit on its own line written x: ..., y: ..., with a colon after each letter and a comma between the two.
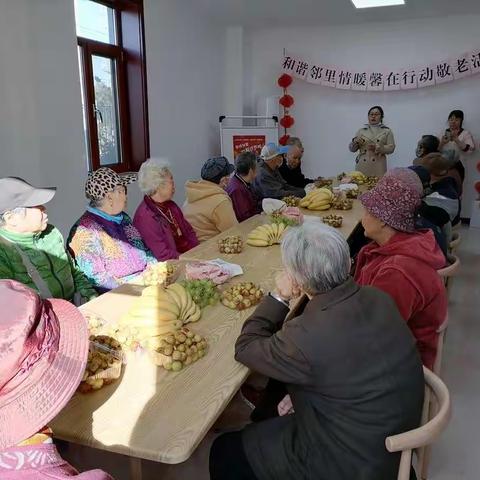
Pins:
x: 350, y: 366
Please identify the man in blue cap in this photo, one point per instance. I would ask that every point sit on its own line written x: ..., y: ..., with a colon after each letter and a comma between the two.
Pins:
x: 269, y: 183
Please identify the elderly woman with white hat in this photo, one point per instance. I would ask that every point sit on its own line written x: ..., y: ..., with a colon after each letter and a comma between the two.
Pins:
x: 43, y: 354
x: 31, y: 250
x: 104, y: 243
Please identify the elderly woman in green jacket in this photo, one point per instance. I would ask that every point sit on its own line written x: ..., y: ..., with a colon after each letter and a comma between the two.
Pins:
x: 31, y: 250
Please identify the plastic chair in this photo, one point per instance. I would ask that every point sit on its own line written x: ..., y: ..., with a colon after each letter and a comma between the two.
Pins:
x: 426, y: 434
x: 455, y: 242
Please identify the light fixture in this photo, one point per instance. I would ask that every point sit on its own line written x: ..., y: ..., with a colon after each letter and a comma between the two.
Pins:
x: 376, y: 3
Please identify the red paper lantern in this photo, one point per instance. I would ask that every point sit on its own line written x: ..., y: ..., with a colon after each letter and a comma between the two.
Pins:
x: 287, y: 121
x: 285, y: 80
x: 477, y: 187
x: 286, y: 101
x: 283, y: 140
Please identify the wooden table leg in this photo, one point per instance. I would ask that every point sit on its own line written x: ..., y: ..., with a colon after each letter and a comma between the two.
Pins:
x: 135, y: 468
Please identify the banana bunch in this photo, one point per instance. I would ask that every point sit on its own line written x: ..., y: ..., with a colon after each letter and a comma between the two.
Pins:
x: 266, y: 235
x: 357, y: 177
x: 318, y: 199
x: 160, y: 311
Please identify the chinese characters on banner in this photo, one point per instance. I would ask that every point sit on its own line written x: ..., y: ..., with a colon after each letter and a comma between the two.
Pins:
x: 248, y: 143
x: 446, y: 70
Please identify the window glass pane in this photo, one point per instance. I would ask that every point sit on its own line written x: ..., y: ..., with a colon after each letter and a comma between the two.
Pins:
x: 95, y: 21
x: 106, y: 109
x: 86, y: 135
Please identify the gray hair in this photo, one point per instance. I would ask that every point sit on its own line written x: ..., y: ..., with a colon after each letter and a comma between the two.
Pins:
x: 295, y: 141
x: 316, y: 256
x: 16, y: 211
x: 152, y: 174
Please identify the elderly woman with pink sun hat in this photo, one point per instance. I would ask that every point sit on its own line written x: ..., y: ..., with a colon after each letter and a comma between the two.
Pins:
x: 43, y: 353
x: 403, y: 261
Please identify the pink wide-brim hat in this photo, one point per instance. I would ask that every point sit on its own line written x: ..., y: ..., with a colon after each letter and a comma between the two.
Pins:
x: 394, y: 200
x: 43, y: 354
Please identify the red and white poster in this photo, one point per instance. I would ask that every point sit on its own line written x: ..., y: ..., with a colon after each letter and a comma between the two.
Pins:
x: 248, y: 143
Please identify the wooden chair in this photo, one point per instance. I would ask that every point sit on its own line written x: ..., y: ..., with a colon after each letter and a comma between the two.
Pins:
x: 429, y: 431
x: 457, y: 226
x: 455, y: 242
x: 449, y: 271
x: 423, y: 455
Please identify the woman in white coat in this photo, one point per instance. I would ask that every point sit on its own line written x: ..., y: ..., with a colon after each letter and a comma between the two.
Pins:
x: 373, y: 142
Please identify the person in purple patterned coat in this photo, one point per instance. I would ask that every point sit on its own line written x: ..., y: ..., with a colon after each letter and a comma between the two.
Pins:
x: 104, y: 243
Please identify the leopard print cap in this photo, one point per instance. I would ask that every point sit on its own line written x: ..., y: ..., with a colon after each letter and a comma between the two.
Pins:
x: 104, y: 180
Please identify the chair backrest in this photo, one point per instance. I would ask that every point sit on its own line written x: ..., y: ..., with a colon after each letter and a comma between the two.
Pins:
x: 441, y: 338
x: 427, y: 433
x: 452, y: 268
x: 455, y: 241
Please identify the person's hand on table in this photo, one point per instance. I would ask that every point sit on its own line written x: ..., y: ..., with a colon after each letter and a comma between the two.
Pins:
x: 285, y: 287
x: 285, y: 407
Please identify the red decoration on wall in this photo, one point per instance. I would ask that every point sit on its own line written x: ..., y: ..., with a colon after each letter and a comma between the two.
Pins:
x: 286, y: 101
x: 284, y: 139
x: 285, y: 80
x: 287, y: 121
x: 477, y: 187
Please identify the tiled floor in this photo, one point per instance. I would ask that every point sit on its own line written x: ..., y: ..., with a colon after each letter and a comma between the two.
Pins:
x: 456, y: 455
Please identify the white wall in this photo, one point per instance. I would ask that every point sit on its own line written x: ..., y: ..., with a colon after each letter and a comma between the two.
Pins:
x: 185, y: 64
x: 40, y: 106
x: 41, y: 129
x: 327, y: 119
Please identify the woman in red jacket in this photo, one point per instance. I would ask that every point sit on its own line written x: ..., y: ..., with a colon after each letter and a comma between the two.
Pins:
x: 401, y: 261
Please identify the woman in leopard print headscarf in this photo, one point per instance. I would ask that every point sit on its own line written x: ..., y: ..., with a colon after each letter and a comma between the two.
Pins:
x: 104, y: 243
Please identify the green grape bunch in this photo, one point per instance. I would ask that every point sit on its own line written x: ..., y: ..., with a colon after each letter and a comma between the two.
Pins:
x: 203, y: 292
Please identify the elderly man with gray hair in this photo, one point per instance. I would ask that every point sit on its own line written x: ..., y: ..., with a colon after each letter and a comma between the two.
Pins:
x: 291, y: 169
x: 348, y: 363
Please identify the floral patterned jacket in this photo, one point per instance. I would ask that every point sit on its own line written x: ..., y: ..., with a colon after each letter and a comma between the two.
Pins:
x: 108, y: 252
x: 38, y: 462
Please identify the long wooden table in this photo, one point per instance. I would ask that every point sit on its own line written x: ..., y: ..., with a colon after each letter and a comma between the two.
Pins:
x: 153, y: 414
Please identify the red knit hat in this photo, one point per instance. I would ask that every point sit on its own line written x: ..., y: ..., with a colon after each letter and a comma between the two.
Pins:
x: 395, y: 199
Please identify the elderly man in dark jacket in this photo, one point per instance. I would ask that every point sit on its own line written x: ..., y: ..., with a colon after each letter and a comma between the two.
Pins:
x: 269, y: 183
x: 350, y: 366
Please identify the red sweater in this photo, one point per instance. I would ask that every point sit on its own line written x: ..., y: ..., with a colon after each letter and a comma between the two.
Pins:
x: 405, y: 268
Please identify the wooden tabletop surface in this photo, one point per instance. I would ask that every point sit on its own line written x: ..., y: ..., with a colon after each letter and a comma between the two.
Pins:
x: 153, y: 414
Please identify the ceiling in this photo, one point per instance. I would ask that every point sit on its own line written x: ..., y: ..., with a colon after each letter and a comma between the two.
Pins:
x: 271, y: 13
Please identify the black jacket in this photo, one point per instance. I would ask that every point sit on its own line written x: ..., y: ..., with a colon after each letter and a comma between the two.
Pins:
x: 294, y: 176
x: 354, y: 375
